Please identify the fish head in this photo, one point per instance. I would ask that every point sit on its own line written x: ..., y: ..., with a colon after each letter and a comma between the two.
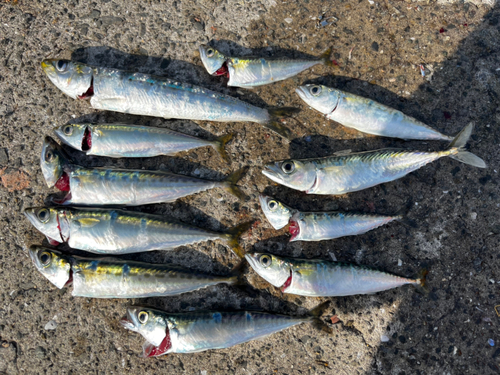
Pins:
x: 212, y: 59
x: 52, y: 161
x: 296, y: 174
x: 73, y: 135
x: 148, y: 322
x: 276, y: 212
x: 46, y: 220
x: 321, y: 98
x: 72, y: 78
x: 52, y: 264
x: 273, y: 269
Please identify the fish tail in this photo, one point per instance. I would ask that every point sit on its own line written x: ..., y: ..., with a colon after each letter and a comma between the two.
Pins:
x: 325, y: 57
x: 230, y: 181
x: 316, y: 314
x: 220, y: 145
x: 276, y: 114
x: 458, y: 152
x: 422, y: 280
x: 236, y: 275
x: 234, y: 234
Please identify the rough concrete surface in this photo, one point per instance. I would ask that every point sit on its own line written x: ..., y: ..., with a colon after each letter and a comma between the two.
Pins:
x: 451, y: 223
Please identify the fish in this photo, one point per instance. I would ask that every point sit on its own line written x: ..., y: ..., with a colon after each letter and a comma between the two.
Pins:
x: 133, y: 141
x: 321, y: 278
x: 124, y: 187
x: 319, y: 226
x: 110, y: 231
x: 194, y: 332
x: 366, y: 115
x: 116, y: 278
x: 148, y: 95
x: 348, y: 172
x: 248, y: 72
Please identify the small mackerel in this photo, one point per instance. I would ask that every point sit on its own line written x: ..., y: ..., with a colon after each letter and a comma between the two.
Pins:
x: 115, y: 278
x: 320, y: 278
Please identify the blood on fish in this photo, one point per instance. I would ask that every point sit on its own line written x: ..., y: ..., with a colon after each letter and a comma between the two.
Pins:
x: 53, y: 242
x: 155, y: 351
x: 70, y: 280
x: 287, y: 282
x: 294, y: 229
x: 63, y: 183
x: 222, y: 71
x: 89, y: 93
x: 87, y: 140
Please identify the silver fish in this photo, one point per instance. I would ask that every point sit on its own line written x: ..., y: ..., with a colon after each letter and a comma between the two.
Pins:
x: 366, y: 115
x: 115, y: 278
x: 147, y: 95
x: 122, y: 232
x: 320, y: 278
x: 318, y: 226
x: 341, y: 174
x: 199, y: 331
x: 105, y: 186
x: 133, y: 141
x: 256, y: 71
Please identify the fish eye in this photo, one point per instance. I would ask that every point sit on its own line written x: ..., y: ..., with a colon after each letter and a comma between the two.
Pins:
x: 273, y: 205
x: 210, y: 52
x: 49, y: 156
x: 265, y: 260
x: 288, y: 167
x: 45, y: 258
x: 143, y: 317
x: 61, y: 65
x: 43, y: 215
x: 316, y: 90
x: 68, y: 129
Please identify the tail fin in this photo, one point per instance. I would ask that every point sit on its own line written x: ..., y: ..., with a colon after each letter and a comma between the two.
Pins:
x: 316, y: 315
x: 235, y: 277
x: 230, y: 181
x: 220, y: 145
x: 275, y: 125
x: 234, y: 234
x: 464, y: 156
x: 325, y: 57
x: 422, y: 279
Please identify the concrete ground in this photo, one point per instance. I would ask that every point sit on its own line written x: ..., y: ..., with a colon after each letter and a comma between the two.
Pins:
x: 451, y: 223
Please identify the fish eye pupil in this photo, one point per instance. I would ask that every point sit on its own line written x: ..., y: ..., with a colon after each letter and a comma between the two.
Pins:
x: 49, y: 156
x: 288, y: 167
x: 61, y: 65
x: 210, y: 52
x: 143, y: 317
x: 67, y: 130
x: 44, y: 258
x: 272, y: 204
x: 265, y: 260
x: 43, y: 215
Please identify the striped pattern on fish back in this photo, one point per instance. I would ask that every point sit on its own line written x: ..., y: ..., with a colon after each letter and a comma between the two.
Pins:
x: 217, y: 330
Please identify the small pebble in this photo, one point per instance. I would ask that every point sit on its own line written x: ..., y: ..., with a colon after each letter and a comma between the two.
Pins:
x: 288, y: 20
x: 51, y: 325
x: 400, y: 262
x: 491, y: 342
x: 473, y: 216
x: 384, y: 338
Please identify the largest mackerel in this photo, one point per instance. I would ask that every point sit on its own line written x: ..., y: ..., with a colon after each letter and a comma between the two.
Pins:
x: 143, y: 94
x: 344, y: 173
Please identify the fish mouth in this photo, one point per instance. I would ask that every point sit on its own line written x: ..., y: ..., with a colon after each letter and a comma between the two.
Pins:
x: 127, y: 322
x: 273, y: 172
x: 251, y: 260
x: 302, y: 93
